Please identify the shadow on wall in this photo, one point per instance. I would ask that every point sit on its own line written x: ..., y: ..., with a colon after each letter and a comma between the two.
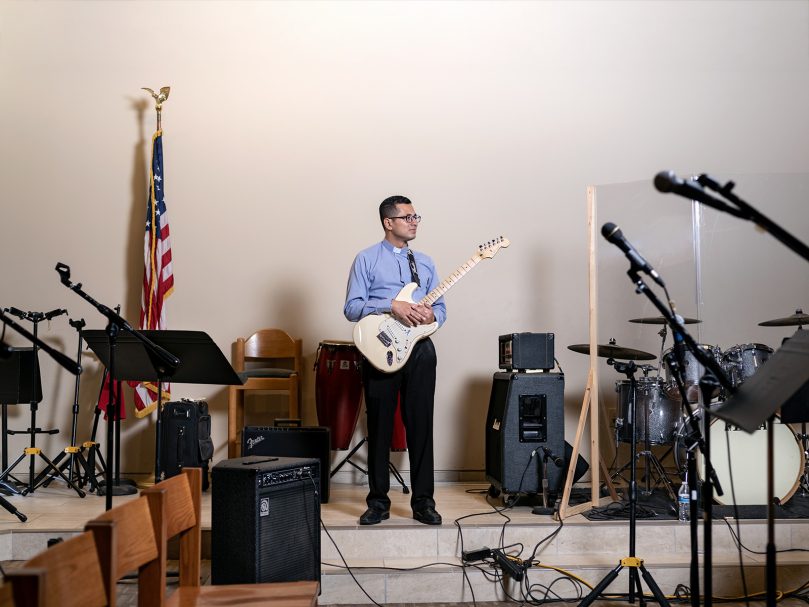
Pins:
x: 469, y: 422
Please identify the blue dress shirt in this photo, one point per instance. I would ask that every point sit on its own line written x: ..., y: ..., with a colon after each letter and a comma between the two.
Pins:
x: 379, y: 273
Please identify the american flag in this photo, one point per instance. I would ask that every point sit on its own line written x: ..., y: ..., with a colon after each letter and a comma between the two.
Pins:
x: 158, y: 278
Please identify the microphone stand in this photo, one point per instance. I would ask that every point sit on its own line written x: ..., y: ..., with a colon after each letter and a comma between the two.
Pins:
x: 163, y: 361
x: 711, y: 365
x: 747, y: 211
x: 635, y: 564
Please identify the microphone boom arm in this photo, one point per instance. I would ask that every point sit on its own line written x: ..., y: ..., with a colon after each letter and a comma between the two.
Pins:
x: 164, y: 361
x: 747, y: 211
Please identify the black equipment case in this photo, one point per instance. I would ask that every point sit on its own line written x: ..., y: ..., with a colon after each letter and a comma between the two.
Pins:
x: 186, y: 438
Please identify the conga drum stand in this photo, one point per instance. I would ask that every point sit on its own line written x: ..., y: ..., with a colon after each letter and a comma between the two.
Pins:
x: 347, y: 460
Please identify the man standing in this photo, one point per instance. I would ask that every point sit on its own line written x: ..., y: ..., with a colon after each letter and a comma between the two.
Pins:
x: 377, y: 275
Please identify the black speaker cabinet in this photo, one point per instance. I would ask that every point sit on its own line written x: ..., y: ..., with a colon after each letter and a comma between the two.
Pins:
x: 290, y: 441
x: 265, y: 520
x: 526, y: 414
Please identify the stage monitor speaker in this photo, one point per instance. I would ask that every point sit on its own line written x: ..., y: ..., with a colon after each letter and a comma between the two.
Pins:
x: 526, y: 416
x: 265, y: 520
x: 291, y: 441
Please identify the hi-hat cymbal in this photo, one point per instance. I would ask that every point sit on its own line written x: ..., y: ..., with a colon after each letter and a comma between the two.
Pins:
x: 799, y: 318
x: 613, y: 350
x: 659, y: 320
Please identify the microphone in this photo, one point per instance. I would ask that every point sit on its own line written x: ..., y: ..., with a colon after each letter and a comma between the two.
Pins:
x: 613, y: 234
x: 554, y: 458
x: 668, y: 182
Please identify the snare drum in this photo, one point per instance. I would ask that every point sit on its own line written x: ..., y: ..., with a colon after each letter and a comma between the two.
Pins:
x: 338, y: 389
x: 657, y: 415
x: 692, y: 371
x: 741, y: 362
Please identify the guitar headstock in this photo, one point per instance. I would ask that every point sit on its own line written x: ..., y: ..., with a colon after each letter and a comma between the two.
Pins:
x: 490, y: 248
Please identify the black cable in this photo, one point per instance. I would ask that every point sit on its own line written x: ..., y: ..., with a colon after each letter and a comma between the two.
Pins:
x: 342, y: 558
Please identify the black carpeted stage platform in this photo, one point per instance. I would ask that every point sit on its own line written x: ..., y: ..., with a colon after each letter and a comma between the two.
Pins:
x: 659, y: 506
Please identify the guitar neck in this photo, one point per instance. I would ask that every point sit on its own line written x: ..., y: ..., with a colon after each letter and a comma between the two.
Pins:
x: 453, y: 278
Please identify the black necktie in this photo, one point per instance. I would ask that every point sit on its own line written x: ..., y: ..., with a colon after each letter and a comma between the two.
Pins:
x: 414, y: 272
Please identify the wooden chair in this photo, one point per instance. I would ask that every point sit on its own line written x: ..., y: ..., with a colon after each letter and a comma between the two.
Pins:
x: 67, y: 574
x: 127, y: 538
x: 267, y: 360
x: 176, y: 503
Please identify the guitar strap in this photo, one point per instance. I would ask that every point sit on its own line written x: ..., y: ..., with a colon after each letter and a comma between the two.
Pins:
x: 414, y: 272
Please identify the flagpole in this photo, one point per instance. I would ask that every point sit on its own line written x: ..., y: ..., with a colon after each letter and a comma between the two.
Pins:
x: 160, y: 98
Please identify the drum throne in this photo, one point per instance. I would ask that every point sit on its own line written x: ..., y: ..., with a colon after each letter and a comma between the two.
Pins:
x: 268, y: 360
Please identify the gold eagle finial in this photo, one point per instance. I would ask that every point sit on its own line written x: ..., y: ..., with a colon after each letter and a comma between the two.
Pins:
x: 159, y: 97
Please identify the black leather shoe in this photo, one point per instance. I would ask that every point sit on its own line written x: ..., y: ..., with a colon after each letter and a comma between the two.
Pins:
x: 428, y: 516
x: 374, y: 517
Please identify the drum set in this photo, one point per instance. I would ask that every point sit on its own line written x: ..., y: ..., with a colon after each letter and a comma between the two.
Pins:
x: 662, y: 419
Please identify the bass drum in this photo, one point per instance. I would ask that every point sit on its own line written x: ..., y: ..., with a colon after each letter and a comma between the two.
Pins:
x: 749, y: 461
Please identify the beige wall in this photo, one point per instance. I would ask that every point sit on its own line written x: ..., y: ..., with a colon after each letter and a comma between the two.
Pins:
x: 289, y: 122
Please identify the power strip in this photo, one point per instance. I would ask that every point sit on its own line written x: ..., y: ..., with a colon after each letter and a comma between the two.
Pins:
x: 470, y: 556
x: 509, y: 567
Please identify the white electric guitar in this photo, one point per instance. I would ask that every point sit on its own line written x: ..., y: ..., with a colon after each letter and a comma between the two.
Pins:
x: 386, y: 342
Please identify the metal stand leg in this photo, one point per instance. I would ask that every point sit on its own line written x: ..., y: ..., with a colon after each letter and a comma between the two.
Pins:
x: 635, y: 564
x: 347, y: 460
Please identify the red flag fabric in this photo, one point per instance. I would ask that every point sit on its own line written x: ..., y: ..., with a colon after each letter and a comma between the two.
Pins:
x: 104, y: 397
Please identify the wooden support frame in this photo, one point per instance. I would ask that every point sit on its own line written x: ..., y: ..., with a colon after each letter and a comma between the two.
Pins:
x: 590, y: 403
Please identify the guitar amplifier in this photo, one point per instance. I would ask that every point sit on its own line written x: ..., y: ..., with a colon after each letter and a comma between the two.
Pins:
x: 265, y: 520
x: 521, y: 351
x: 290, y: 441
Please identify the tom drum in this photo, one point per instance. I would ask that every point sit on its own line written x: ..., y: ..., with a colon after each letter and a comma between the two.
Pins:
x: 657, y: 414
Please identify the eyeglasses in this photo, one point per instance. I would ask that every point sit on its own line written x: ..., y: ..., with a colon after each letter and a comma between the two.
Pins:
x: 409, y: 218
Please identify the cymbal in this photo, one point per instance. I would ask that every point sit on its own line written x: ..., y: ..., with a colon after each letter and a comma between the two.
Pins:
x: 799, y: 318
x: 659, y: 320
x: 613, y: 350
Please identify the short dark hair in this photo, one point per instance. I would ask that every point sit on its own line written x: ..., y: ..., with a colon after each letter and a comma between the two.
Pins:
x: 387, y: 207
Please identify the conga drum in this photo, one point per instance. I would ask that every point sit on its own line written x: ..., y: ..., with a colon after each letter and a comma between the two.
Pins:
x: 338, y: 389
x: 398, y: 441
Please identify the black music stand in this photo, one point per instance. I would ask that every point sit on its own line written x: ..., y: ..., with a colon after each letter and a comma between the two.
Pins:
x: 15, y: 388
x: 201, y: 362
x: 775, y: 384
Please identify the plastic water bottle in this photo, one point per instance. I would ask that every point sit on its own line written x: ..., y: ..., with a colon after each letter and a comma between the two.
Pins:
x: 683, y: 502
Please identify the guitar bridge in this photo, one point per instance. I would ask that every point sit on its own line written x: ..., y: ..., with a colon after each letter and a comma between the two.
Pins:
x: 384, y: 338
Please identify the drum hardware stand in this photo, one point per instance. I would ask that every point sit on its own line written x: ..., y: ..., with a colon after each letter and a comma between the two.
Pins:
x: 347, y: 460
x: 652, y: 463
x: 75, y: 463
x: 33, y: 451
x: 635, y: 564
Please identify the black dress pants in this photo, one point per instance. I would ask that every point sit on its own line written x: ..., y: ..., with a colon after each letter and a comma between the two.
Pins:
x: 416, y: 383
